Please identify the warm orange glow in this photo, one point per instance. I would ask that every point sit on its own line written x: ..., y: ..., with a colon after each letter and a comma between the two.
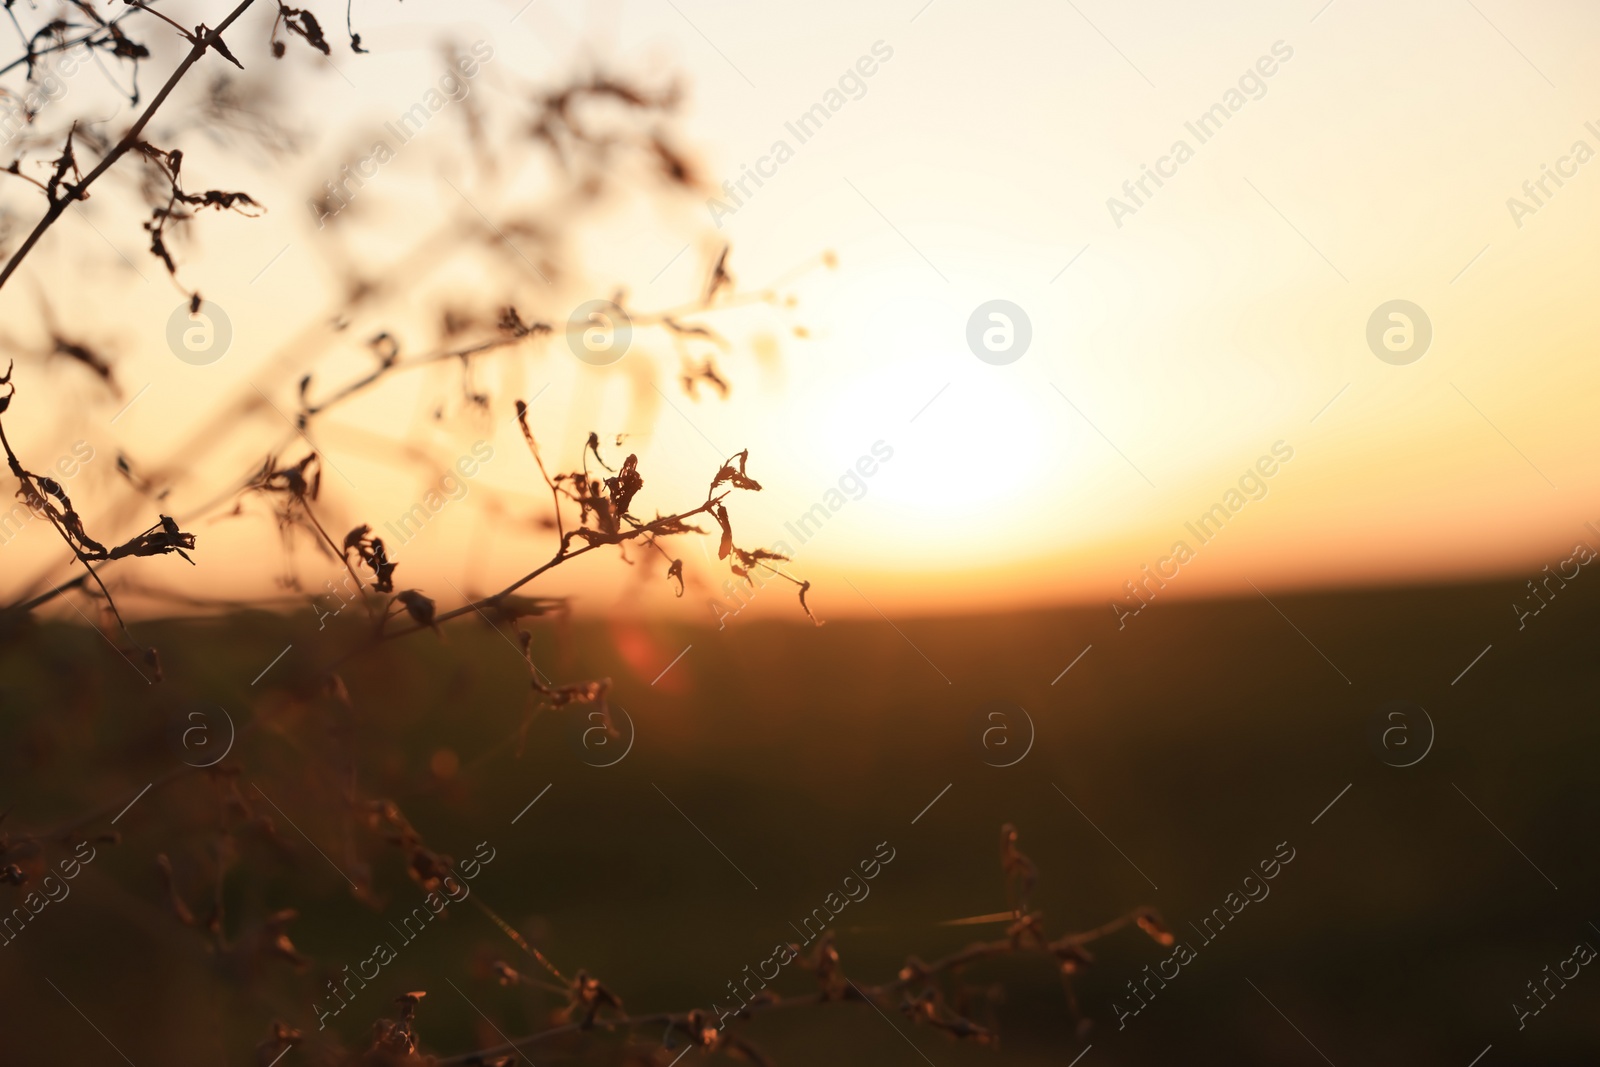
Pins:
x: 1172, y: 344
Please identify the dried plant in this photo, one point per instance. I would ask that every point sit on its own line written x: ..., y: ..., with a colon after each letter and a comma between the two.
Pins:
x: 594, y: 128
x: 932, y: 993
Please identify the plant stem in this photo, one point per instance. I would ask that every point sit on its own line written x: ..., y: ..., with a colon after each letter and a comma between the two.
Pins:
x: 678, y: 1020
x: 75, y: 192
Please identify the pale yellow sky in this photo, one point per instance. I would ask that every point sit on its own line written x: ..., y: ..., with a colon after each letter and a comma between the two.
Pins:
x: 1171, y: 346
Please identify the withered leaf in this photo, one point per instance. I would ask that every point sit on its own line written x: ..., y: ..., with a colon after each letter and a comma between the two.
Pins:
x: 419, y: 607
x: 720, y: 278
x: 625, y: 485
x: 735, y: 476
x: 805, y: 587
x: 306, y: 27
x: 96, y: 363
x: 720, y: 513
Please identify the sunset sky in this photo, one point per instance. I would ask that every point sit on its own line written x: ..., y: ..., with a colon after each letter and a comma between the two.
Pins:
x: 1172, y: 347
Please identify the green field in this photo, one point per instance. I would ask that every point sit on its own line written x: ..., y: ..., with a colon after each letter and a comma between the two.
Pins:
x: 1172, y: 758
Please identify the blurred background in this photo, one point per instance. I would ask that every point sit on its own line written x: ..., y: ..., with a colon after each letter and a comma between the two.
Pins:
x: 1269, y: 501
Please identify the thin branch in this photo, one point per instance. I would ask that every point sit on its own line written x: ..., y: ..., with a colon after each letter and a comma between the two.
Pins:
x: 204, y: 39
x: 909, y: 976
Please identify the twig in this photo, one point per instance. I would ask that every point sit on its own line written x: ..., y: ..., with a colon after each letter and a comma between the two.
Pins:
x: 679, y: 1021
x: 203, y: 40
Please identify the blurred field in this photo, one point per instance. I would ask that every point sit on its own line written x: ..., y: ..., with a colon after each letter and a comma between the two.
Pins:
x: 1197, y: 739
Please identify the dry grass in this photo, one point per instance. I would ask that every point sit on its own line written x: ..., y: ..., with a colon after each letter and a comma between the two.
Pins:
x: 600, y: 131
